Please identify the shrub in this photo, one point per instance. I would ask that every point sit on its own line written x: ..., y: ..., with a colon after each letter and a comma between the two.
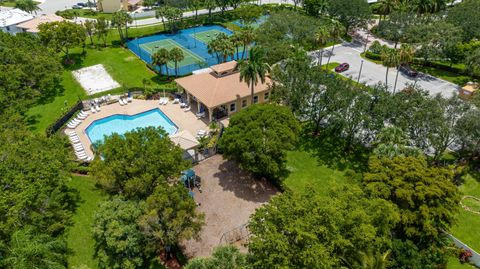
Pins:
x: 376, y: 47
x: 465, y: 255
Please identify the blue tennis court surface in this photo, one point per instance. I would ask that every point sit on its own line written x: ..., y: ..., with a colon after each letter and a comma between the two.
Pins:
x: 195, y: 48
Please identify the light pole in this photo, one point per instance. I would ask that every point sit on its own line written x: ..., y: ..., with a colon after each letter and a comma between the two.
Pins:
x: 360, y: 73
x: 366, y: 42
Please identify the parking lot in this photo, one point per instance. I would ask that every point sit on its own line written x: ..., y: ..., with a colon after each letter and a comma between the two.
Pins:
x: 373, y: 73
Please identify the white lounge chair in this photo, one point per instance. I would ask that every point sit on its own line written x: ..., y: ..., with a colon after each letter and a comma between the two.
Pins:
x: 81, y: 117
x: 83, y: 113
x: 93, y: 110
x: 176, y: 100
x: 97, y: 108
x: 187, y: 109
x: 200, y: 115
x: 129, y: 99
x: 120, y: 101
x: 183, y: 105
x: 201, y: 132
x: 72, y: 125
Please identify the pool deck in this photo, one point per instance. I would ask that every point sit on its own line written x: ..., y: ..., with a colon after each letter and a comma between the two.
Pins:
x: 185, y: 121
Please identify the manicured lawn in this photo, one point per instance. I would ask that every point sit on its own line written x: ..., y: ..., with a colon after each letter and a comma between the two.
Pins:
x: 79, y: 238
x: 306, y: 172
x: 458, y: 79
x: 8, y: 4
x: 121, y: 64
x: 467, y: 228
x: 454, y: 263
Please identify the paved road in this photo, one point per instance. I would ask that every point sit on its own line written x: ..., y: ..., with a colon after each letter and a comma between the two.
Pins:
x: 373, y: 73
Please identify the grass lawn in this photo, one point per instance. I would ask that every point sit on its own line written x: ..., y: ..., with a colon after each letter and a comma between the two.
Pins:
x: 306, y: 172
x: 7, y: 3
x: 120, y: 63
x: 467, y: 228
x: 79, y: 238
x: 454, y: 263
x: 455, y: 78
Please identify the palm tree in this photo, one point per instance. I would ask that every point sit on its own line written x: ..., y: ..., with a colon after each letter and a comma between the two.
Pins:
x: 161, y: 12
x: 236, y: 40
x: 387, y: 6
x: 210, y: 5
x: 28, y: 6
x: 254, y: 68
x: 89, y: 26
x: 228, y: 49
x: 336, y: 30
x: 121, y: 19
x: 389, y: 59
x: 161, y: 58
x: 214, y: 47
x: 176, y: 55
x: 248, y: 36
x: 321, y: 37
x: 368, y: 260
x: 405, y: 56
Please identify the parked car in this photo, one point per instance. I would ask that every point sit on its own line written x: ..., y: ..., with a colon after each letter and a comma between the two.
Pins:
x: 76, y: 7
x: 81, y: 4
x: 342, y: 67
x: 407, y: 70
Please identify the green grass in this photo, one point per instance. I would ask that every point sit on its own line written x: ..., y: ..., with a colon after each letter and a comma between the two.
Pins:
x: 120, y: 63
x: 80, y: 239
x: 467, y: 228
x: 306, y: 173
x: 455, y: 78
x: 189, y: 56
x: 454, y: 263
x: 7, y: 3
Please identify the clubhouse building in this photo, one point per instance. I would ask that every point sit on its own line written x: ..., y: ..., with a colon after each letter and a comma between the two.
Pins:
x: 218, y: 92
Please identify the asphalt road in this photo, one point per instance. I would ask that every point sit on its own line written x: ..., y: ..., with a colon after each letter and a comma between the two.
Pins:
x: 373, y: 73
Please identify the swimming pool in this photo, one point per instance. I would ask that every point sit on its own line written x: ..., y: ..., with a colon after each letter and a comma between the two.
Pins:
x: 122, y: 124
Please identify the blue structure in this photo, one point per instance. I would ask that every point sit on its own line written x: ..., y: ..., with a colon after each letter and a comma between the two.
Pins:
x: 186, y: 39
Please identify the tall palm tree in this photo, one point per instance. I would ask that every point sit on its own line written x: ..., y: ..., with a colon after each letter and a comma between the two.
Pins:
x: 405, y: 56
x: 210, y: 5
x: 248, y: 36
x: 389, y: 59
x: 161, y: 58
x: 321, y: 37
x: 368, y: 260
x: 387, y: 6
x: 236, y: 40
x: 160, y: 13
x: 121, y: 19
x: 336, y: 30
x: 176, y: 55
x: 28, y: 6
x: 214, y: 47
x: 228, y: 49
x: 254, y: 69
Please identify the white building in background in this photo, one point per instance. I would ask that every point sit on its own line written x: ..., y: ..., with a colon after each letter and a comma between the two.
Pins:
x: 11, y: 17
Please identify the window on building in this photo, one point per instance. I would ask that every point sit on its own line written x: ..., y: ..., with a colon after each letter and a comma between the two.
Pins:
x: 255, y: 99
x: 267, y: 95
x: 232, y: 107
x: 244, y: 103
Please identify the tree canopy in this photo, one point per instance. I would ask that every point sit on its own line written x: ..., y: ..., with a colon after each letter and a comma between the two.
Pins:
x: 62, y: 36
x: 258, y: 136
x: 222, y: 257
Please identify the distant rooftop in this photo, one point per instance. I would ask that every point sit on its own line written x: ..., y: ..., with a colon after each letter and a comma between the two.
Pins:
x: 31, y: 26
x: 13, y: 16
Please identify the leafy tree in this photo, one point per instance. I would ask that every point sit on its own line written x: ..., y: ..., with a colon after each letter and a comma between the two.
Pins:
x: 389, y: 59
x: 322, y: 35
x: 89, y: 29
x: 473, y: 62
x: 161, y: 58
x: 101, y: 26
x: 120, y: 20
x: 62, y: 36
x: 396, y: 26
x: 247, y: 35
x: 464, y: 15
x: 28, y: 71
x: 33, y: 250
x: 405, y: 56
x: 336, y: 31
x: 468, y: 133
x: 222, y: 257
x: 428, y: 6
x: 176, y: 55
x: 352, y: 13
x: 196, y: 5
x: 173, y: 15
x: 386, y: 7
x: 405, y: 254
x: 258, y: 136
x: 254, y: 69
x: 315, y: 7
x: 392, y: 142
x: 210, y: 5
x: 308, y: 230
x: 170, y: 217
x: 29, y: 6
x: 133, y: 164
x: 119, y: 242
x: 248, y: 14
x: 425, y: 197
x: 161, y: 13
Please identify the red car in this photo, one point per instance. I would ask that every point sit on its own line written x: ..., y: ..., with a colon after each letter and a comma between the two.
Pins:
x: 342, y: 67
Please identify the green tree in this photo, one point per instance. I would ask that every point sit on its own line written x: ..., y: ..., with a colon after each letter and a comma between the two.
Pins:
x: 258, y: 137
x: 392, y: 142
x: 196, y: 5
x: 222, y: 257
x: 170, y: 217
x: 249, y: 13
x: 133, y: 164
x: 473, y: 62
x: 351, y: 13
x: 29, y: 6
x: 161, y: 13
x: 336, y: 31
x: 464, y: 15
x: 214, y: 46
x: 173, y: 15
x: 322, y: 35
x: 315, y: 7
x: 387, y: 6
x: 425, y: 197
x: 102, y: 29
x: 389, y: 59
x: 254, y: 69
x: 210, y: 5
x: 89, y: 26
x: 468, y: 133
x: 119, y: 242
x: 176, y: 55
x: 405, y: 57
x: 395, y: 28
x: 309, y: 230
x: 161, y: 58
x: 62, y: 36
x: 247, y: 35
x: 120, y: 20
x: 29, y: 72
x: 35, y: 250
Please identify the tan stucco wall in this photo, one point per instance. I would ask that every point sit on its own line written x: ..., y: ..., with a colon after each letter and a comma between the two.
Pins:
x: 110, y: 6
x: 261, y: 99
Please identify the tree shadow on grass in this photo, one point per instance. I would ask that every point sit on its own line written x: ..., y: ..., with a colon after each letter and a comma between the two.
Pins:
x: 329, y: 149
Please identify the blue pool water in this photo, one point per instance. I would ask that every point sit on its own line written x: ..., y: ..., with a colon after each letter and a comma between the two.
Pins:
x: 186, y: 39
x: 121, y: 124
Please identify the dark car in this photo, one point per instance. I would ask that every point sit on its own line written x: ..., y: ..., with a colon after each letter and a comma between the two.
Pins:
x: 342, y: 67
x: 81, y: 4
x: 407, y: 70
x: 76, y: 7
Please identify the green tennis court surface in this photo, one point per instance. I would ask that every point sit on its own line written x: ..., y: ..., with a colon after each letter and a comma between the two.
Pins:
x: 206, y: 36
x: 190, y: 57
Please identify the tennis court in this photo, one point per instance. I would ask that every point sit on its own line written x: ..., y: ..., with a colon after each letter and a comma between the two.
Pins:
x: 190, y: 57
x: 206, y: 36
